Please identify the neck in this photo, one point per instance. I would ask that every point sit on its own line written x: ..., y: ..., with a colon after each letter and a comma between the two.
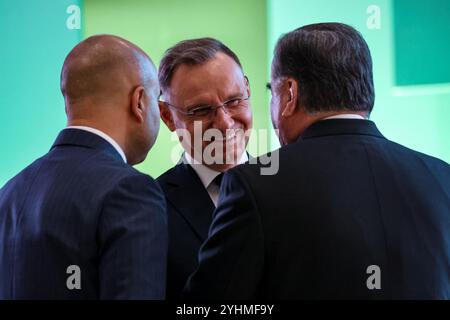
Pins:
x: 113, y: 133
x: 304, y: 120
x: 309, y: 119
x: 221, y: 167
x: 323, y: 115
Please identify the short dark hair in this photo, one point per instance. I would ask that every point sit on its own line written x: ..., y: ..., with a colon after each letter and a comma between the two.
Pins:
x: 191, y: 52
x: 332, y: 64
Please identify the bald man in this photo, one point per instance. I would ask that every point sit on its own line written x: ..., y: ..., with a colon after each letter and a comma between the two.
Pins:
x: 81, y: 222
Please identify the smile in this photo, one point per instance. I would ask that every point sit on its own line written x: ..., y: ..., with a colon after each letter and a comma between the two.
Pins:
x: 230, y: 136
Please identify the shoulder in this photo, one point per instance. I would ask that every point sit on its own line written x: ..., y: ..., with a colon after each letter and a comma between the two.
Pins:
x: 262, y: 166
x: 134, y: 192
x: 412, y: 160
x: 137, y: 182
x: 424, y: 165
x: 115, y: 180
x: 104, y: 174
x: 174, y: 174
x: 100, y: 166
x: 413, y: 153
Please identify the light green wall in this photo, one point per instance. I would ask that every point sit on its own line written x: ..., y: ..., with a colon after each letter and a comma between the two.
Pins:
x: 156, y: 25
x: 422, y: 32
x: 418, y: 116
x: 35, y: 41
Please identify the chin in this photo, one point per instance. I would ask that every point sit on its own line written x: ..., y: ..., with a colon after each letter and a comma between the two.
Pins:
x: 141, y: 159
x: 222, y: 167
x: 138, y: 158
x: 283, y: 142
x: 238, y: 148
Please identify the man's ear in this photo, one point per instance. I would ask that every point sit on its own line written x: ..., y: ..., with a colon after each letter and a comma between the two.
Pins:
x: 166, y: 115
x: 291, y: 90
x: 137, y: 103
x: 247, y: 86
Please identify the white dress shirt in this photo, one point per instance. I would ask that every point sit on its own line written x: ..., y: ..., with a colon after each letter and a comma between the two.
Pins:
x: 207, y: 175
x: 104, y: 136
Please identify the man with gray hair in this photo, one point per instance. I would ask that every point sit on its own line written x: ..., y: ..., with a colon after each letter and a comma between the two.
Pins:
x: 205, y: 100
x: 350, y: 214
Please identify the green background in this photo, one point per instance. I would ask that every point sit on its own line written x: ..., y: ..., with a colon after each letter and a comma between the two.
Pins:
x: 412, y: 108
x: 421, y: 34
x: 34, y: 43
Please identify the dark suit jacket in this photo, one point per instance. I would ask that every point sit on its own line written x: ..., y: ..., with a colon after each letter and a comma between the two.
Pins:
x: 81, y: 205
x: 189, y: 210
x: 344, y: 198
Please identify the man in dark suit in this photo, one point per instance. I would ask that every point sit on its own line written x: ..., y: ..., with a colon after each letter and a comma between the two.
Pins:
x: 349, y: 213
x: 204, y: 93
x: 80, y: 222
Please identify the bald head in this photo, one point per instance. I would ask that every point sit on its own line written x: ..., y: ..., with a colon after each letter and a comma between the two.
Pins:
x: 111, y: 85
x: 103, y: 67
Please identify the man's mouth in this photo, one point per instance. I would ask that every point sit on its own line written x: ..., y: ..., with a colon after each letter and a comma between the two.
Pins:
x: 228, y: 137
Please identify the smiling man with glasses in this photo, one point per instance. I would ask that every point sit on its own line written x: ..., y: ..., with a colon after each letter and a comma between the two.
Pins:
x: 205, y: 99
x: 232, y: 107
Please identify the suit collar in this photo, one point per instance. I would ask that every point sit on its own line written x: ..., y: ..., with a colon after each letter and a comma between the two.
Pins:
x: 187, y: 194
x: 334, y: 127
x: 205, y: 174
x: 104, y: 136
x: 82, y: 138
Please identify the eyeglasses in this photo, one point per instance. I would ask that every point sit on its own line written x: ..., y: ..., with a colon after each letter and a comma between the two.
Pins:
x: 231, y: 107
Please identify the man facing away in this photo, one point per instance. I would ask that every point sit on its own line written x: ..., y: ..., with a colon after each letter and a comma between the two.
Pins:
x: 205, y: 100
x: 81, y: 222
x: 350, y: 214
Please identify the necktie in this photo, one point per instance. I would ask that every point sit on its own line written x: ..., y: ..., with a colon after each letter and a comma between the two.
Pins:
x: 218, y: 180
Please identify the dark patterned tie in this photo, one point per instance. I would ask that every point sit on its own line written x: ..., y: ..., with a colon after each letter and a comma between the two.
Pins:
x: 218, y: 180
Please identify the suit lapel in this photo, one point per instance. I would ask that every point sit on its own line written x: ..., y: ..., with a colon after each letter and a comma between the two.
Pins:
x: 190, y: 198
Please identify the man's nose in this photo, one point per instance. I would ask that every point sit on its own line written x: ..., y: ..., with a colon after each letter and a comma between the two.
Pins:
x: 222, y: 120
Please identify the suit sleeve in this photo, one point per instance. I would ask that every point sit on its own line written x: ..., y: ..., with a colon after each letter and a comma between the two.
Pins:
x: 231, y: 260
x: 132, y: 236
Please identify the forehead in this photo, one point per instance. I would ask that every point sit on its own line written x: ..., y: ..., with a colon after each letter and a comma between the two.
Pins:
x: 212, y: 80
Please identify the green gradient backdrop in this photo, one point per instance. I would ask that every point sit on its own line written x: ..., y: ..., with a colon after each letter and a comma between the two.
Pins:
x: 156, y: 25
x: 418, y: 116
x: 36, y: 40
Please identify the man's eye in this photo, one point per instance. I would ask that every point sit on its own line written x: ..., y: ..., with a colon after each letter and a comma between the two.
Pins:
x: 201, y: 111
x: 233, y: 103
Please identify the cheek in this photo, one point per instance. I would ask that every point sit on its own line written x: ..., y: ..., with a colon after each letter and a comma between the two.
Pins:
x: 154, y: 117
x: 244, y: 120
x: 191, y: 132
x: 274, y: 112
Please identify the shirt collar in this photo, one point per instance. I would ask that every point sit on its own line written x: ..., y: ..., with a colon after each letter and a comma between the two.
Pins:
x: 104, y: 136
x: 346, y: 116
x: 206, y: 174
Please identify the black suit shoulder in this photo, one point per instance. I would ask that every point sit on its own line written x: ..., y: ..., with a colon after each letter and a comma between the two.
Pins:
x: 189, y: 212
x: 166, y: 178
